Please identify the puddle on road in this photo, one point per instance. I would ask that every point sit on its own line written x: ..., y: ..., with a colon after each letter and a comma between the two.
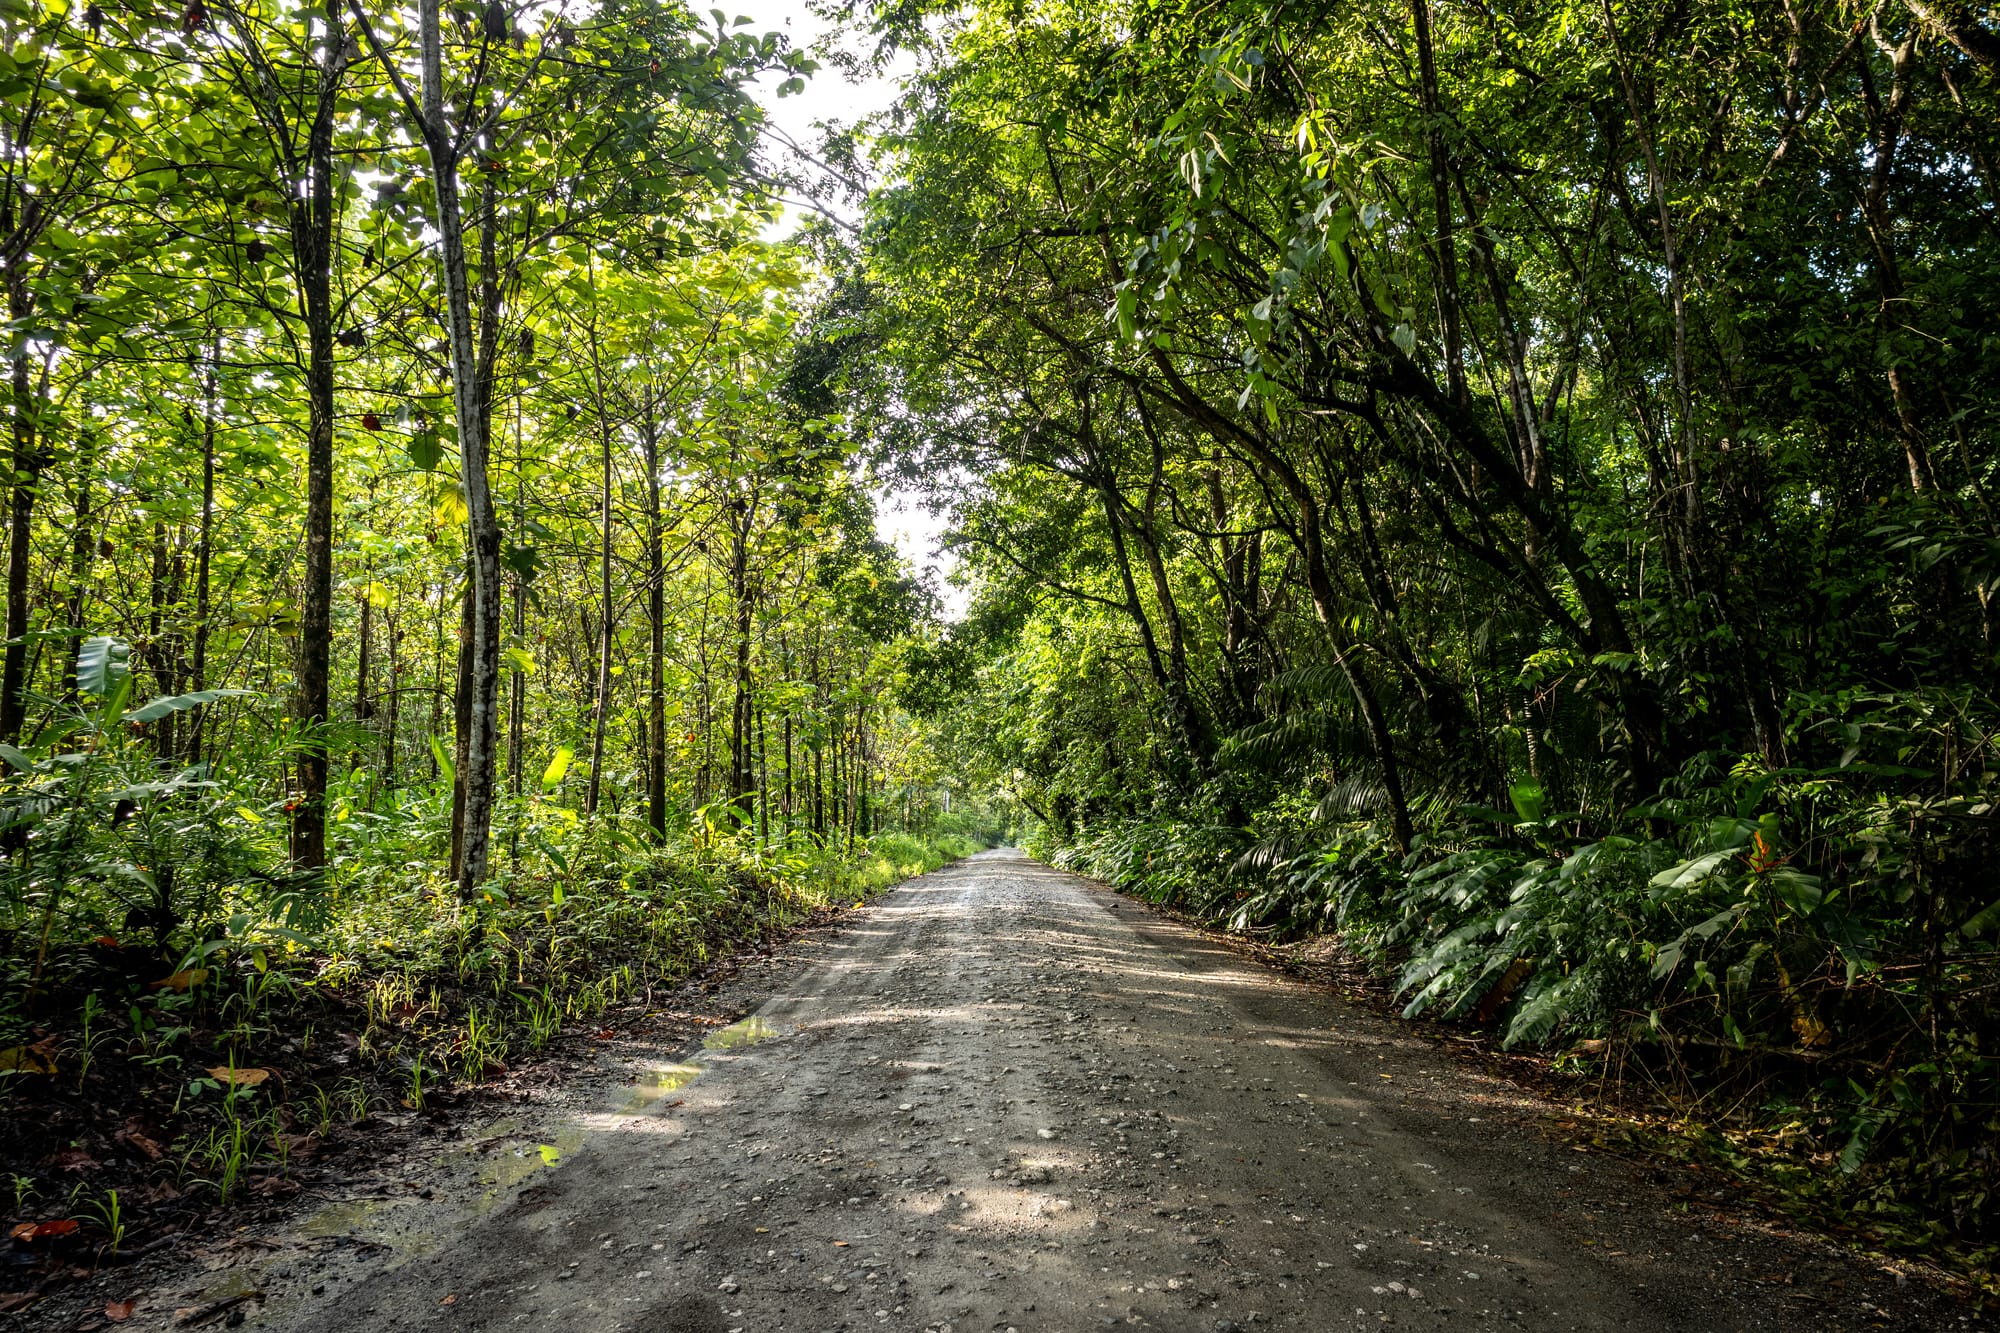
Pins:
x: 745, y: 1032
x: 657, y: 1084
x: 347, y: 1218
x: 506, y: 1169
x: 653, y: 1086
x: 502, y: 1158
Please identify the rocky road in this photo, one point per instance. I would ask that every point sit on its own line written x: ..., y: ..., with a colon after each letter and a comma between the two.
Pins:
x: 1005, y: 1098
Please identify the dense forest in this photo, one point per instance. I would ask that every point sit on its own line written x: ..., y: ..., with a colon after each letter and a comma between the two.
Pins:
x: 440, y: 598
x: 1505, y: 484
x: 1508, y: 483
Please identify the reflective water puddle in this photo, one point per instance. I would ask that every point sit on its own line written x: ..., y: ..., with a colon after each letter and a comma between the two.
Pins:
x: 657, y: 1084
x: 744, y: 1032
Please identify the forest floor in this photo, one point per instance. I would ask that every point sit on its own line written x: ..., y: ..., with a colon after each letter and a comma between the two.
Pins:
x: 1002, y: 1097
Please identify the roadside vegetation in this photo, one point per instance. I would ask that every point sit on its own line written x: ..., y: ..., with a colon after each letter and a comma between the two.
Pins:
x: 443, y: 603
x: 1510, y: 485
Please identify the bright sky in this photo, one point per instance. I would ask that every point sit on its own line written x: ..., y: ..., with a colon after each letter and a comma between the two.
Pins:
x: 831, y: 97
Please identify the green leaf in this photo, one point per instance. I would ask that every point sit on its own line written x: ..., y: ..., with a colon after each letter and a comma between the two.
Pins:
x: 552, y: 777
x: 426, y: 449
x: 1690, y: 873
x: 102, y: 662
x: 1799, y: 891
x: 549, y: 850
x: 445, y: 766
x: 1530, y: 799
x: 1983, y: 920
x: 180, y: 703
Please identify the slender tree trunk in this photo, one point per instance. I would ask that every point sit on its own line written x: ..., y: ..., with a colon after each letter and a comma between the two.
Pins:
x: 158, y: 651
x: 656, y: 650
x: 603, y: 711
x: 461, y: 729
x: 204, y: 556
x: 743, y: 778
x: 517, y: 687
x: 517, y: 695
x: 763, y: 785
x: 363, y: 710
x: 472, y: 401
x: 313, y: 242
x: 393, y: 640
x: 20, y: 514
x: 1446, y: 256
x: 82, y: 549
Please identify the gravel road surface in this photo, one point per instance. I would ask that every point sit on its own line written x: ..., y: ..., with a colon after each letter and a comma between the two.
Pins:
x: 1005, y: 1098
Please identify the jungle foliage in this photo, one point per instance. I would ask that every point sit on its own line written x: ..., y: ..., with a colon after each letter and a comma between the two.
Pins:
x: 1510, y: 482
x: 441, y: 594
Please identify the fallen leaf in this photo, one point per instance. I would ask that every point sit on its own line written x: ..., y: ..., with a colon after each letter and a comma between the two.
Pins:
x: 604, y: 1034
x: 242, y: 1078
x: 450, y: 1299
x: 26, y: 1060
x: 119, y: 1311
x: 183, y: 980
x: 11, y: 1301
x: 60, y: 1226
x: 147, y: 1146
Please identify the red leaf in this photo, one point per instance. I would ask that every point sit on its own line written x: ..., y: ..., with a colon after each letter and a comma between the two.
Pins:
x: 119, y: 1311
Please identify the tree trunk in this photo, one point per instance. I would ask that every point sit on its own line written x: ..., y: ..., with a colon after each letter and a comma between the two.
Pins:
x: 20, y: 516
x: 313, y: 236
x: 607, y: 613
x: 392, y: 641
x: 743, y: 777
x: 472, y: 401
x: 656, y: 649
x: 205, y: 536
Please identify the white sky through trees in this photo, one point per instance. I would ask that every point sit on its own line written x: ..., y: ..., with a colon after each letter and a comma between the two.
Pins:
x: 831, y: 97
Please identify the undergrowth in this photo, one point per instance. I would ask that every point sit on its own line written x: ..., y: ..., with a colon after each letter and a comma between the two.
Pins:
x: 1795, y: 967
x: 179, y: 1026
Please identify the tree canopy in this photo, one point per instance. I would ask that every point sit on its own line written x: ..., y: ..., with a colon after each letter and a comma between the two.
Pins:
x: 1509, y: 483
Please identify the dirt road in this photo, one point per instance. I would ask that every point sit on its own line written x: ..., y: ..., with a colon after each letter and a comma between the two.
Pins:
x: 1006, y: 1099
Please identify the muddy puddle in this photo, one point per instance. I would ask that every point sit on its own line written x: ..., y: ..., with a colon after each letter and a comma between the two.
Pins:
x: 744, y: 1032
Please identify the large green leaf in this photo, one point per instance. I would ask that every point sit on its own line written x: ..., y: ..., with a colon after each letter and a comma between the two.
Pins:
x: 102, y: 662
x: 155, y: 709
